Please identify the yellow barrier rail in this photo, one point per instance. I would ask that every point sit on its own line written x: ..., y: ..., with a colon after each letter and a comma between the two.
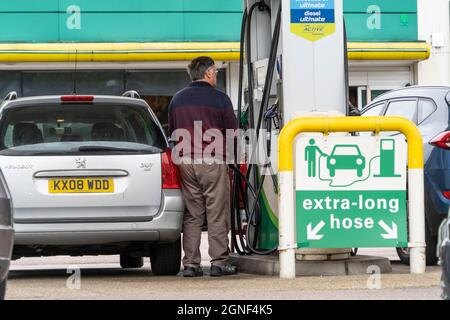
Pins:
x: 353, y: 124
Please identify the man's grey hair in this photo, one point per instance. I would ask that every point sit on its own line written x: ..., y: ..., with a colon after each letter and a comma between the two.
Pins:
x: 198, y: 67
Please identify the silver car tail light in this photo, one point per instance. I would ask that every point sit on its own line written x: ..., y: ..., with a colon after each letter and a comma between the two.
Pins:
x: 169, y: 172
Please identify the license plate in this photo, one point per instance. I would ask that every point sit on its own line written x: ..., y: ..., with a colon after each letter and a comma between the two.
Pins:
x: 81, y: 185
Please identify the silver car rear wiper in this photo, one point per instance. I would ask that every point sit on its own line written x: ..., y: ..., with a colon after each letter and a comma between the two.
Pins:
x: 106, y: 148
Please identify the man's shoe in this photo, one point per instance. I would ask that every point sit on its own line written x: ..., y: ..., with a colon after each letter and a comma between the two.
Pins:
x: 222, y: 270
x: 191, y: 272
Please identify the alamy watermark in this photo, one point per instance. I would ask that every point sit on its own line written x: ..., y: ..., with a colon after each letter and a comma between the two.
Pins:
x: 74, y: 280
x: 213, y: 146
x: 73, y: 22
x: 374, y: 280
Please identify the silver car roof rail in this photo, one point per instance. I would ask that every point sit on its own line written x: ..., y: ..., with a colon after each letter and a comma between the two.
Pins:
x: 11, y: 96
x: 131, y: 94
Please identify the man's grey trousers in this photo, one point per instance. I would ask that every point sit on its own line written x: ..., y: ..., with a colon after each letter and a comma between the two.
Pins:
x: 206, y: 191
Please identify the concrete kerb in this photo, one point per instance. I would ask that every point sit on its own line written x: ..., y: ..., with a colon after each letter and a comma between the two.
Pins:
x: 270, y: 266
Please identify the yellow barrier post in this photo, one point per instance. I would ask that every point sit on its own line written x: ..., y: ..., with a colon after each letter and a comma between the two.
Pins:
x: 287, y: 236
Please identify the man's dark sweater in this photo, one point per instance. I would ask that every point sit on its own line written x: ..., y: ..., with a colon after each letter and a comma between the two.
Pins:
x: 201, y: 102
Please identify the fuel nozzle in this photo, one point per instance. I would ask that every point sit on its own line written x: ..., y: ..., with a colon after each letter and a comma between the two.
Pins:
x: 271, y: 115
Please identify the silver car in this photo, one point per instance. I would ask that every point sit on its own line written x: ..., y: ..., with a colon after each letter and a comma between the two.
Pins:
x: 6, y: 235
x: 91, y: 175
x: 429, y: 108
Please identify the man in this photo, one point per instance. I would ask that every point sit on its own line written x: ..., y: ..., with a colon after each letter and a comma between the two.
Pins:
x: 205, y: 186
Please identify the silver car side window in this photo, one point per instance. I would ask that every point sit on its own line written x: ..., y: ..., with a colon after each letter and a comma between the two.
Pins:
x: 376, y: 110
x: 426, y: 108
x: 403, y: 108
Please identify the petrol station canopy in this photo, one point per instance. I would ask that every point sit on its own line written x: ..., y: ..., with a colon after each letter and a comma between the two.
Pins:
x: 178, y: 30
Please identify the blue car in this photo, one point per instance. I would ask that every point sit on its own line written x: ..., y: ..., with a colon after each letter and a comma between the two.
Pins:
x: 428, y: 108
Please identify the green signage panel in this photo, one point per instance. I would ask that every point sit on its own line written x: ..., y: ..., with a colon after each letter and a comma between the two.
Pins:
x: 382, y: 27
x: 120, y: 21
x: 117, y: 27
x: 214, y: 5
x: 154, y: 5
x: 386, y: 6
x: 348, y: 219
x: 29, y: 27
x: 194, y: 26
x: 123, y: 6
x: 180, y: 20
x: 17, y: 6
x: 381, y: 20
x: 351, y: 192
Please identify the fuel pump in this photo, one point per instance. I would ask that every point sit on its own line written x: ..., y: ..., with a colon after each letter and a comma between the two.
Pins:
x: 280, y: 75
x: 249, y: 186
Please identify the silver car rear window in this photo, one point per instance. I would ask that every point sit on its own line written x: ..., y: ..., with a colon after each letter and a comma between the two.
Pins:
x: 78, y: 129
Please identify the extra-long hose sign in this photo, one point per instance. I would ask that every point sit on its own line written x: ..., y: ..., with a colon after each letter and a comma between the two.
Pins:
x: 351, y: 192
x: 313, y: 19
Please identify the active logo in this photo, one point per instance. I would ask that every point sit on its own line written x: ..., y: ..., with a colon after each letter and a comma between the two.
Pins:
x: 312, y: 19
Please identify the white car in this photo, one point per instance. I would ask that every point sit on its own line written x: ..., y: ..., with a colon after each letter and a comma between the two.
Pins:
x: 91, y: 175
